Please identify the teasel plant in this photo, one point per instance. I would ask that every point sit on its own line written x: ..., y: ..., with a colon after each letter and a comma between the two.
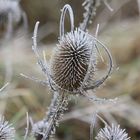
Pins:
x: 7, y: 131
x: 71, y: 72
x: 109, y: 132
x: 11, y: 14
x: 91, y: 7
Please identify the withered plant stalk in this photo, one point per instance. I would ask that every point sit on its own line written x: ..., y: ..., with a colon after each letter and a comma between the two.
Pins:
x: 72, y: 70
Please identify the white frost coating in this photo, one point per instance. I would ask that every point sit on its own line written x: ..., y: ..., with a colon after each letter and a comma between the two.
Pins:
x: 64, y: 10
x: 71, y: 60
x: 72, y: 70
x: 113, y: 132
x: 12, y: 13
x: 12, y: 6
x: 7, y: 132
x: 91, y: 7
x: 73, y: 64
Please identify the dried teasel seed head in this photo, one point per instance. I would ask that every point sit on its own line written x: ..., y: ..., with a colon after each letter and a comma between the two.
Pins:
x: 7, y: 132
x: 10, y: 6
x: 11, y: 14
x: 113, y: 132
x: 73, y: 64
x: 37, y: 129
x: 71, y: 60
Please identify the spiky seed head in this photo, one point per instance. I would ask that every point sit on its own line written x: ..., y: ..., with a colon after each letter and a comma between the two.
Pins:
x: 11, y: 6
x: 7, y: 132
x: 37, y: 129
x: 71, y: 58
x: 112, y: 132
x: 73, y: 63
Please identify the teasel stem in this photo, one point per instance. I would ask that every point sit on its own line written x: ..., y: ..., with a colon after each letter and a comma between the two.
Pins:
x: 57, y: 108
x: 90, y: 7
x: 92, y: 126
x: 45, y: 128
x: 42, y: 63
x: 51, y: 120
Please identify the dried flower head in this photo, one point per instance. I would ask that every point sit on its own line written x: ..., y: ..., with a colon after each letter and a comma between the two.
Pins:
x: 10, y: 6
x: 72, y: 69
x: 74, y: 60
x: 10, y: 14
x: 113, y: 132
x: 38, y: 129
x: 7, y: 132
x: 71, y: 60
x: 73, y: 63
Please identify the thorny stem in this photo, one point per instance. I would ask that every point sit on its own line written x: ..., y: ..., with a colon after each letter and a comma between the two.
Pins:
x: 90, y: 7
x: 92, y: 126
x: 58, y: 106
x: 88, y: 14
x: 43, y: 65
x: 53, y: 103
x: 59, y: 101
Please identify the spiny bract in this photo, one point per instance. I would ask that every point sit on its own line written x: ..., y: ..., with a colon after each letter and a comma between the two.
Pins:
x: 71, y: 59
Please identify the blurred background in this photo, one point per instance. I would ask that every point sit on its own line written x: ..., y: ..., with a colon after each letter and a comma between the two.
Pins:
x: 119, y: 31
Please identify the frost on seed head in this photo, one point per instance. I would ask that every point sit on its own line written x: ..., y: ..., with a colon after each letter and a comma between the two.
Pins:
x: 7, y: 132
x: 109, y: 132
x: 113, y: 132
x: 71, y: 60
x: 73, y: 63
x: 10, y: 14
x: 11, y: 6
x: 74, y: 60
